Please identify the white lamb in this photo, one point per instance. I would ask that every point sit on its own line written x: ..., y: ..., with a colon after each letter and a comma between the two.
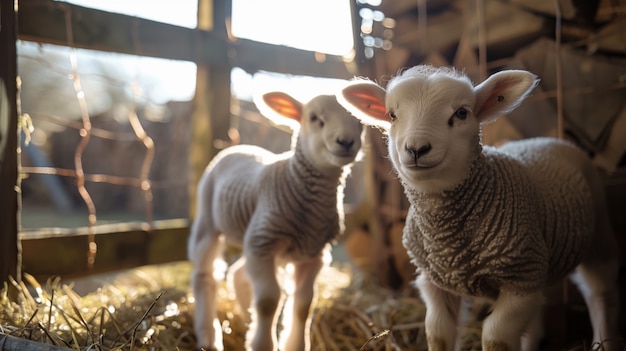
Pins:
x: 497, y: 225
x: 280, y: 209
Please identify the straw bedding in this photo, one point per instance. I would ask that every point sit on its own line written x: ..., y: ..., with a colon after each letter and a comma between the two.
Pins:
x: 150, y: 308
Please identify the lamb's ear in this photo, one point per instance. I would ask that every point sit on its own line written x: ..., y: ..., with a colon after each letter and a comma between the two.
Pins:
x: 280, y: 108
x: 366, y: 101
x: 502, y: 92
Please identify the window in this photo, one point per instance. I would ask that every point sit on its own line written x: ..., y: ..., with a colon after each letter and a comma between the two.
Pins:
x: 128, y: 122
x: 321, y: 25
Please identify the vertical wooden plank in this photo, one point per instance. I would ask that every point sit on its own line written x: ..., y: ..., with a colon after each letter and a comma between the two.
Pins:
x: 8, y: 141
x: 377, y: 223
x: 219, y: 80
x: 211, y: 117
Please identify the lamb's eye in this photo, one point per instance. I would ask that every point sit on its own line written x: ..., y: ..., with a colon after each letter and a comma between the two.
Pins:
x: 392, y: 115
x: 316, y: 119
x: 461, y: 113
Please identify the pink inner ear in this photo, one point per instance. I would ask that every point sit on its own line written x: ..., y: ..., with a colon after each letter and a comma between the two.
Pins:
x: 284, y: 105
x: 367, y: 102
x: 496, y: 96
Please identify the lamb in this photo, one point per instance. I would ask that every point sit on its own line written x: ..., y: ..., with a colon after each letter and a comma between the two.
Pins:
x: 280, y: 209
x: 486, y: 224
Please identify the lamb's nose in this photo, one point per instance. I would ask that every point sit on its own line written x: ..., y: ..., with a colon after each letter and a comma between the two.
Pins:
x: 419, y: 152
x: 347, y: 144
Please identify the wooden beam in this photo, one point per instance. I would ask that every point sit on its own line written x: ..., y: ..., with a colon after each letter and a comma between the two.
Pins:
x: 8, y: 142
x: 60, y: 23
x: 254, y: 56
x: 120, y: 246
x: 212, y: 100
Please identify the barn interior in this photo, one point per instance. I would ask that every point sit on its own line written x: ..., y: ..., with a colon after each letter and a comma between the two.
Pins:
x: 115, y: 112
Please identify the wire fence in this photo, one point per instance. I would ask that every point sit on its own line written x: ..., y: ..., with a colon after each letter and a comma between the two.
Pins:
x: 76, y: 134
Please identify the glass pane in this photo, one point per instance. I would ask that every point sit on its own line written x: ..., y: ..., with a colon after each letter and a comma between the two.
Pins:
x: 134, y: 158
x: 321, y: 25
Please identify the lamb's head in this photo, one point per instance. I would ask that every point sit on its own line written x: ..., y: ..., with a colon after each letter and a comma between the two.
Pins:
x: 432, y: 117
x: 328, y: 135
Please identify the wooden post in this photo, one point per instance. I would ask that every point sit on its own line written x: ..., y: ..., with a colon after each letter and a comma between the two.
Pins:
x: 8, y: 142
x: 211, y: 117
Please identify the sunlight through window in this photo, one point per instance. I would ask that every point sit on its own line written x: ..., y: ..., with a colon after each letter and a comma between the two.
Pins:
x: 321, y: 25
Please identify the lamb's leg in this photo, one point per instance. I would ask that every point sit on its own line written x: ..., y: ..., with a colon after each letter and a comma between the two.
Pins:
x: 597, y: 283
x: 442, y: 309
x: 596, y: 276
x: 240, y: 282
x: 266, y: 299
x: 467, y: 311
x: 534, y: 332
x: 511, y: 315
x: 206, y: 324
x: 298, y: 335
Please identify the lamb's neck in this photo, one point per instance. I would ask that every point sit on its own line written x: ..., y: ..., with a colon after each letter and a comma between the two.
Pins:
x: 301, y: 168
x: 445, y: 233
x: 316, y: 194
x: 460, y: 199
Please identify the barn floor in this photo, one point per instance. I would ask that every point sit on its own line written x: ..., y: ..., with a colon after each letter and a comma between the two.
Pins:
x: 567, y: 325
x: 151, y: 308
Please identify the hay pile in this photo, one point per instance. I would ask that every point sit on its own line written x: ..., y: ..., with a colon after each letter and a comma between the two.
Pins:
x: 151, y: 313
x: 151, y: 308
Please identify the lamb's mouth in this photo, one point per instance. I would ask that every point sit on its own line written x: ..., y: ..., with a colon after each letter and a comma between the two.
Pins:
x: 344, y: 154
x: 417, y: 172
x: 420, y: 166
